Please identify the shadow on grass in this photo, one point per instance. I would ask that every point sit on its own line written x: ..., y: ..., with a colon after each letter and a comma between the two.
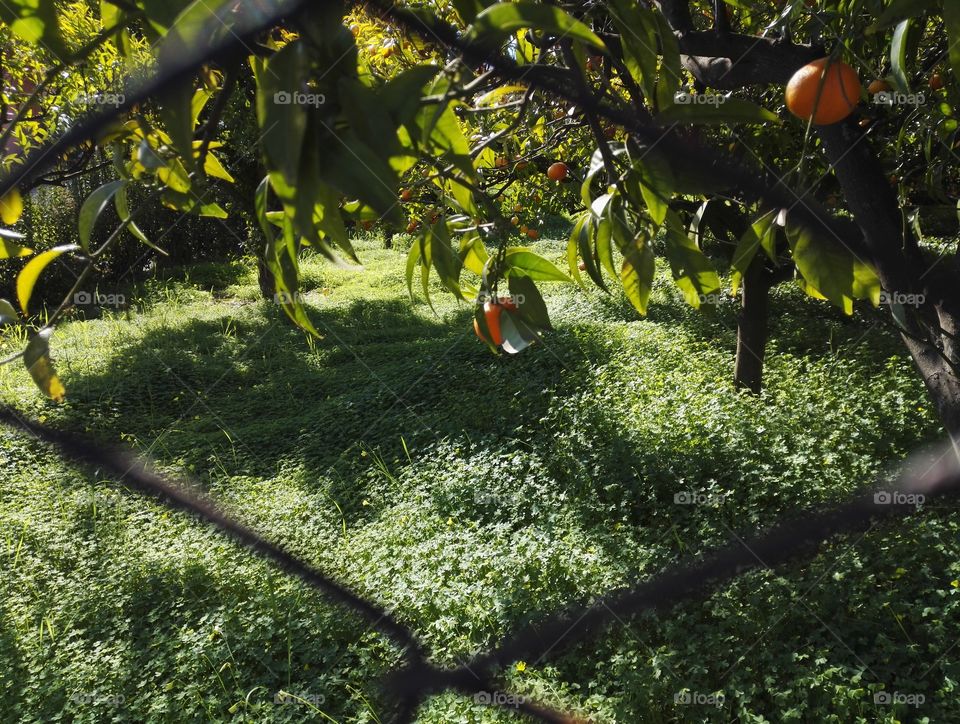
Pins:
x: 242, y: 397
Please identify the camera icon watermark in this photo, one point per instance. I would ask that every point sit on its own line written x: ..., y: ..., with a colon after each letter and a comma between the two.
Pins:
x: 285, y: 698
x: 298, y: 98
x: 902, y: 299
x: 696, y: 698
x: 516, y: 300
x: 686, y: 98
x: 894, y: 698
x: 895, y: 497
x: 708, y: 500
x: 498, y: 698
x: 896, y: 98
x: 96, y: 299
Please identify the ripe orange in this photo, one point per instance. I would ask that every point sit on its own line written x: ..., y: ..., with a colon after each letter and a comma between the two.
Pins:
x: 936, y: 82
x: 515, y: 220
x: 406, y: 195
x: 558, y: 171
x: 824, y: 92
x: 412, y: 226
x: 533, y: 234
x: 878, y: 86
x: 501, y: 162
x: 491, y: 313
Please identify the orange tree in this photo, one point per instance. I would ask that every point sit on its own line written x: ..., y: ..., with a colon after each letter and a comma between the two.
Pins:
x: 669, y: 118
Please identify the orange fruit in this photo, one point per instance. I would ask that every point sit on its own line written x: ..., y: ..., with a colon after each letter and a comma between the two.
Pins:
x: 878, y: 86
x: 936, y: 82
x: 533, y: 233
x: 501, y: 162
x: 412, y: 226
x: 406, y: 195
x: 515, y: 220
x: 491, y: 313
x: 824, y: 92
x: 558, y: 171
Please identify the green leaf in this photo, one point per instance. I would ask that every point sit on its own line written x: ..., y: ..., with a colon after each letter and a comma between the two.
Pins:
x: 692, y: 271
x: 36, y: 22
x: 900, y: 9
x: 898, y: 56
x: 93, y: 207
x: 473, y: 254
x: 523, y: 262
x: 175, y: 107
x: 656, y: 183
x: 36, y: 358
x: 637, y: 272
x: 951, y: 18
x: 27, y: 278
x: 831, y: 269
x: 760, y: 234
x: 670, y: 76
x: 730, y: 112
x: 445, y: 260
x: 638, y: 34
x: 282, y: 122
x: 9, y: 250
x: 123, y: 211
x: 8, y: 315
x: 412, y: 258
x: 499, y: 21
x: 531, y: 309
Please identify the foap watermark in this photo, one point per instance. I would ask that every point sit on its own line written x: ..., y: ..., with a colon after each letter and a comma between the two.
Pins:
x: 895, y: 497
x: 499, y: 698
x: 97, y: 299
x: 86, y: 698
x: 299, y: 98
x: 697, y: 698
x: 896, y: 98
x: 686, y: 98
x: 894, y: 698
x: 288, y: 298
x: 286, y: 698
x: 511, y: 299
x: 902, y: 298
x: 114, y: 100
x: 709, y: 500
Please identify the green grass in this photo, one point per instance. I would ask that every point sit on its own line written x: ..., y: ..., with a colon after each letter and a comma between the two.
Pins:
x: 471, y: 493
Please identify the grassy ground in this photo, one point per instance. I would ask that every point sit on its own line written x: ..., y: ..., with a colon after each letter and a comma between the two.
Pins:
x: 471, y: 493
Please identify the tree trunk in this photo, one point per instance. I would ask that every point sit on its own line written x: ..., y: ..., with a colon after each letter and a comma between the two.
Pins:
x: 268, y: 286
x: 752, y: 330
x: 897, y: 258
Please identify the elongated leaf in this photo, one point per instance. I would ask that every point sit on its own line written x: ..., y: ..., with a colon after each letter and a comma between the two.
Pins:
x: 11, y: 207
x: 9, y: 250
x: 531, y: 309
x: 123, y: 211
x: 759, y: 235
x: 412, y: 258
x: 730, y: 112
x: 951, y: 18
x: 898, y: 56
x: 93, y: 207
x: 27, y: 278
x: 36, y: 358
x: 670, y: 76
x: 499, y: 21
x: 637, y: 272
x: 900, y: 9
x: 8, y: 315
x: 692, y: 271
x: 282, y: 121
x: 176, y: 111
x: 523, y: 262
x: 830, y: 268
x: 36, y: 22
